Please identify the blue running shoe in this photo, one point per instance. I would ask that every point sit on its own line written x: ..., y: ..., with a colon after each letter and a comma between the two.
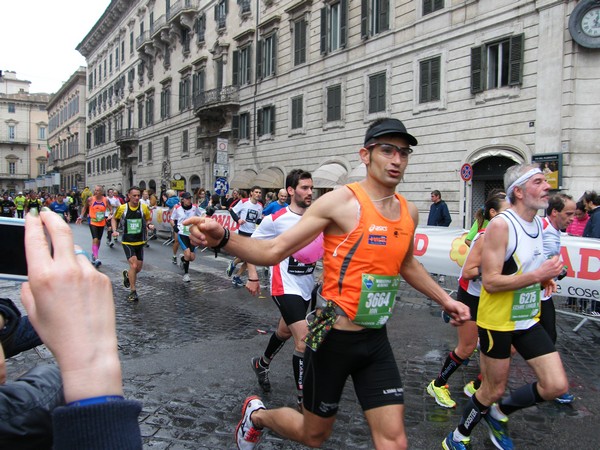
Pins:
x: 499, y: 432
x: 450, y: 444
x: 565, y: 398
x: 230, y: 269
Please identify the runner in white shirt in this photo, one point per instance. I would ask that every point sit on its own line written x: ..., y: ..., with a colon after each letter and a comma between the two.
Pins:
x: 247, y: 213
x: 181, y: 212
x: 292, y: 282
x: 113, y: 204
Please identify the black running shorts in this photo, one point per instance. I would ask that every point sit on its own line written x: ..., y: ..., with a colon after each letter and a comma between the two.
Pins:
x: 366, y: 356
x: 133, y: 250
x: 530, y: 343
x: 292, y: 307
x: 470, y: 300
x: 97, y: 232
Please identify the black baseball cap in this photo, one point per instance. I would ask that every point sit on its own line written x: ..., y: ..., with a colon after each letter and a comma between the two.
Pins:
x: 389, y: 126
x: 186, y: 195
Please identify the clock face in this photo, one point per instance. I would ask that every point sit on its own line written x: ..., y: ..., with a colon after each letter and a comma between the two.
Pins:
x: 590, y: 22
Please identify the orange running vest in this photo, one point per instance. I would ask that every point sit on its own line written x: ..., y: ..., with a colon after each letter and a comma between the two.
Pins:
x: 376, y: 246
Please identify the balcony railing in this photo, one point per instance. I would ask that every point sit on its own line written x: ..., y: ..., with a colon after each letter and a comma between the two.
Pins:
x: 142, y: 39
x: 217, y: 97
x: 180, y: 6
x: 126, y: 134
x: 158, y: 25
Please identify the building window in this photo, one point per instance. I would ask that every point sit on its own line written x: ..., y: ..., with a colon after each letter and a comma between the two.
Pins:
x: 140, y: 153
x: 498, y: 64
x: 334, y: 103
x: 185, y: 40
x: 12, y: 168
x: 140, y: 114
x: 244, y: 6
x: 200, y: 28
x: 242, y: 66
x: 150, y: 109
x: 122, y: 51
x: 11, y: 108
x: 244, y: 126
x: 377, y: 93
x: 185, y: 92
x: 221, y: 10
x: 266, y: 58
x: 375, y: 17
x: 42, y: 133
x: 198, y: 83
x: 42, y: 168
x: 266, y: 121
x: 297, y: 112
x: 184, y: 143
x: 334, y: 25
x: 166, y: 146
x: 219, y: 73
x: 165, y: 102
x: 131, y: 46
x: 300, y: 28
x: 149, y: 151
x: 199, y: 137
x: 11, y: 132
x: 430, y: 6
x: 429, y: 80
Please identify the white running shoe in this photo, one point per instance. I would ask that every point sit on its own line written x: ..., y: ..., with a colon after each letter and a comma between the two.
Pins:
x: 186, y: 278
x: 246, y: 435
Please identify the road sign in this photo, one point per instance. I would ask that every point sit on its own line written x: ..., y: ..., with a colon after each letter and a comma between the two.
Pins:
x: 221, y: 186
x: 466, y: 172
x: 220, y: 170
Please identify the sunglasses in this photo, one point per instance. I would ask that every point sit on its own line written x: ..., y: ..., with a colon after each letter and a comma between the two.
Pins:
x: 389, y: 150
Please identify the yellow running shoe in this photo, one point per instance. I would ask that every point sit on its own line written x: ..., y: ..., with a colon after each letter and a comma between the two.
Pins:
x: 441, y: 395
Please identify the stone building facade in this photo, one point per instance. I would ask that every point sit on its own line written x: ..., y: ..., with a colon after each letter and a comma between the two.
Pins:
x: 67, y: 132
x: 295, y: 84
x: 23, y: 134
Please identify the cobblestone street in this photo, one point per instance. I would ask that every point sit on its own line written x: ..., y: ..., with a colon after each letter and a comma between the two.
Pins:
x: 186, y: 352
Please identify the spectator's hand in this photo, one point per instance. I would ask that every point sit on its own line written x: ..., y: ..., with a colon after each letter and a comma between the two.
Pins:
x: 70, y: 305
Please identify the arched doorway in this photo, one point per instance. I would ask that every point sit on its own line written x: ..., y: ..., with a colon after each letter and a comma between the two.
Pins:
x: 142, y: 185
x: 489, y: 166
x: 152, y: 185
x: 488, y: 174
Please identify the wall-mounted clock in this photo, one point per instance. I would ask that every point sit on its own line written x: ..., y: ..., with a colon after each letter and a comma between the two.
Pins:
x: 584, y: 23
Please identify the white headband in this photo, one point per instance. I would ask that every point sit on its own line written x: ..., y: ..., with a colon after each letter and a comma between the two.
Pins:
x: 519, y: 181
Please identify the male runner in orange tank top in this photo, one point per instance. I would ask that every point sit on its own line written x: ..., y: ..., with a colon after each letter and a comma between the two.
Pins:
x: 368, y: 244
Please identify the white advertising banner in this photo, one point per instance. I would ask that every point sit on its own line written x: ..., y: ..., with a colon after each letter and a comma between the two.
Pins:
x: 443, y: 251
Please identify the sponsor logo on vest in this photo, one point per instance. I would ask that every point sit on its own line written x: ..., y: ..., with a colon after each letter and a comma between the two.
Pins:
x: 374, y: 227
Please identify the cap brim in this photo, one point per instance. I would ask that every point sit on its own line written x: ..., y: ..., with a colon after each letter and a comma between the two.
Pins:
x: 409, y: 137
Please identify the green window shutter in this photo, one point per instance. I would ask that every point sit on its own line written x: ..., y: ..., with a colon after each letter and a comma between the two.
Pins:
x: 343, y: 22
x: 235, y: 126
x: 364, y: 19
x: 236, y: 68
x: 274, y: 55
x: 515, y: 66
x: 249, y: 66
x: 259, y: 52
x: 384, y: 15
x: 477, y: 72
x: 324, y: 30
x: 435, y: 74
x: 424, y: 81
x: 259, y: 122
x: 427, y: 7
x: 272, y: 119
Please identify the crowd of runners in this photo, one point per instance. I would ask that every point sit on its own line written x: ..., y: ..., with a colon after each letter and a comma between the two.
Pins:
x: 364, y: 235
